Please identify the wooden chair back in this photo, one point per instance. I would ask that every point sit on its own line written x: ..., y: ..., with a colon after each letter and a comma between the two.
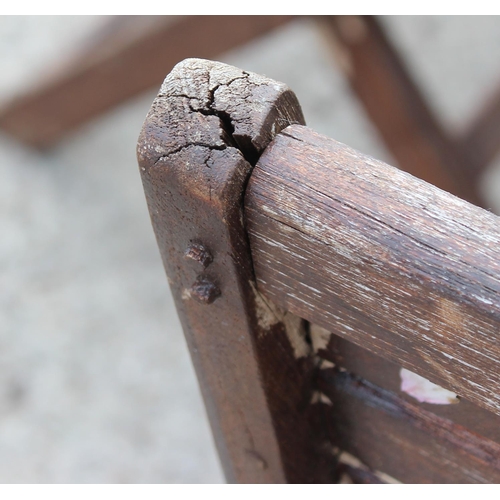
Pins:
x: 343, y: 316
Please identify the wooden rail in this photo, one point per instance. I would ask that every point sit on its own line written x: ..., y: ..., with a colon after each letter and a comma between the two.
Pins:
x: 380, y: 258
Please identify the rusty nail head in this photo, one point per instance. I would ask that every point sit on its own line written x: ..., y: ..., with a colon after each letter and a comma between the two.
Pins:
x: 204, y: 290
x: 199, y: 253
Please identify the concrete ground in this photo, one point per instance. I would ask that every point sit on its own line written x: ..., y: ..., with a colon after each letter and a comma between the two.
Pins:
x: 96, y: 381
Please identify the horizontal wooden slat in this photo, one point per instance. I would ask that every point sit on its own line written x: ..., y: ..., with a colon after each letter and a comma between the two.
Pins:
x: 381, y: 258
x: 386, y: 375
x: 401, y: 439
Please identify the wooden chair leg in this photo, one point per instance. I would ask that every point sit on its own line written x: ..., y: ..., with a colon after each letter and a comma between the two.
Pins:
x: 395, y: 105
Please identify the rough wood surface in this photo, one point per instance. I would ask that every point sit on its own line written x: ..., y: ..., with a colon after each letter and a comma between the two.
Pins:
x: 368, y: 414
x: 131, y: 57
x: 397, y: 108
x: 381, y: 258
x: 403, y: 439
x: 207, y: 126
x: 386, y: 375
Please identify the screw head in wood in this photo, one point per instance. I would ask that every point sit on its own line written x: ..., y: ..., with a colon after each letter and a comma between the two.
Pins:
x: 204, y: 290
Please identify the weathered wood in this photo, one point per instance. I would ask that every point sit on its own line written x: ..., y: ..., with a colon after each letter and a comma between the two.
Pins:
x: 207, y: 126
x: 385, y: 260
x: 132, y: 57
x: 395, y: 105
x: 402, y: 439
x: 386, y: 375
x: 381, y: 258
x: 367, y: 414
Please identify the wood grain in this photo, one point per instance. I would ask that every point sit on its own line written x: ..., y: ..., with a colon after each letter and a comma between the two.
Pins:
x: 381, y: 258
x: 402, y: 439
x: 318, y: 232
x: 396, y: 106
x: 384, y: 374
x: 208, y: 123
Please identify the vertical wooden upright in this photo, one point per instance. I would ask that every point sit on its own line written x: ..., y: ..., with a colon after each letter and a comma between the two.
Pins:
x: 205, y: 131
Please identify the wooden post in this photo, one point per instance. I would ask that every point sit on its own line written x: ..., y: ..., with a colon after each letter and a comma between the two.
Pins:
x: 406, y: 276
x: 207, y: 127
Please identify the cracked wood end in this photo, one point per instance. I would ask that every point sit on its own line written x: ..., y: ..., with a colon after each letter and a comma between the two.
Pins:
x: 215, y: 106
x: 207, y: 127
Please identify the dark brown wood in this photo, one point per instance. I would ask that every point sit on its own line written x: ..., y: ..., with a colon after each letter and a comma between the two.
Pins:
x: 402, y: 439
x: 381, y: 258
x: 395, y: 105
x: 206, y: 128
x: 131, y: 57
x: 386, y: 375
x: 368, y: 415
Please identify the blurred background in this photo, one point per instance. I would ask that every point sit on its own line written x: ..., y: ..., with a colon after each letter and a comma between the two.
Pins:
x: 96, y: 381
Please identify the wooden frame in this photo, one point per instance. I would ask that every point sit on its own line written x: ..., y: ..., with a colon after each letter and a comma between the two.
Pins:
x: 264, y: 262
